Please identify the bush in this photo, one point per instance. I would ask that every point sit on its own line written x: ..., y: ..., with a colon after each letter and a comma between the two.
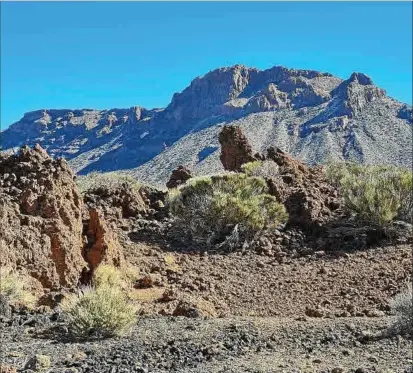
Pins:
x: 16, y: 288
x: 99, y: 311
x: 265, y: 169
x: 377, y: 194
x: 402, y: 306
x: 108, y: 180
x: 112, y: 276
x: 225, y: 209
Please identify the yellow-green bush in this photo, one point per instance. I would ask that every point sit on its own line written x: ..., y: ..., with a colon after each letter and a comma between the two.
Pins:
x: 99, y: 311
x: 109, y: 180
x: 16, y: 288
x: 213, y: 209
x: 267, y: 168
x: 102, y: 309
x: 109, y: 275
x: 377, y: 194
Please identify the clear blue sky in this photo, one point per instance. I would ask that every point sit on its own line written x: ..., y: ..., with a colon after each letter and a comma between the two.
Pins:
x: 114, y: 54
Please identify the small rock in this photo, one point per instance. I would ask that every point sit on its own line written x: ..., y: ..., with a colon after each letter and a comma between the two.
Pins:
x: 313, y: 312
x: 373, y: 359
x: 347, y: 352
x: 337, y: 370
x: 38, y: 363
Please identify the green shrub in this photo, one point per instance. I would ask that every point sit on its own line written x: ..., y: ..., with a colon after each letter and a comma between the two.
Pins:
x: 377, y: 194
x: 16, y: 288
x: 109, y: 180
x: 263, y: 169
x: 402, y: 306
x: 224, y: 209
x: 99, y: 311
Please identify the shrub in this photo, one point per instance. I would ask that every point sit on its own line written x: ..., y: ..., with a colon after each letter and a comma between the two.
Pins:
x: 100, y: 311
x: 16, y: 288
x: 112, y: 276
x: 377, y: 194
x: 265, y: 169
x: 224, y: 209
x: 402, y: 306
x: 109, y: 180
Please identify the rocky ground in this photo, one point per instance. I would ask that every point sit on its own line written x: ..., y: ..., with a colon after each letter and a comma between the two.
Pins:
x: 236, y: 344
x: 310, y: 314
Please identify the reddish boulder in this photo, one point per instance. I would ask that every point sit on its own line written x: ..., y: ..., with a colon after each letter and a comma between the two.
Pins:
x: 179, y: 176
x: 235, y: 149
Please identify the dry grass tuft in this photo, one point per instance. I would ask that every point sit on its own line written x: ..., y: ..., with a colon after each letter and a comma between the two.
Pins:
x: 15, y: 288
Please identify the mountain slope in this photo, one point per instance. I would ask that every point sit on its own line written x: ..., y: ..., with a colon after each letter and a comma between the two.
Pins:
x: 314, y: 116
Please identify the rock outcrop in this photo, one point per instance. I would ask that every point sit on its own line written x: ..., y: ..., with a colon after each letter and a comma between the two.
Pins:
x: 40, y: 218
x: 179, y: 176
x: 235, y: 149
x: 308, y: 197
x: 102, y: 245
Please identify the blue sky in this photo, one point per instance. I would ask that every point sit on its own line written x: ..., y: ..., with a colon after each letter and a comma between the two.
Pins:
x: 113, y: 54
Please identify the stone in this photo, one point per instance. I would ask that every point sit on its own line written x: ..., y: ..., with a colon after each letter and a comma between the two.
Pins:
x: 235, y: 149
x: 38, y: 363
x: 178, y: 177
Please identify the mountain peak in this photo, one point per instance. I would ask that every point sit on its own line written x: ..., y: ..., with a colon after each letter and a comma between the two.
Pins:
x: 360, y: 78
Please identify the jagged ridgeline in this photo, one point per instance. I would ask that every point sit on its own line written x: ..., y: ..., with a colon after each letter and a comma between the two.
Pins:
x: 313, y: 116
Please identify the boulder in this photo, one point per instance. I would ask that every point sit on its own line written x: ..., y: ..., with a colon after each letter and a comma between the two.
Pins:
x: 235, y: 149
x: 179, y: 176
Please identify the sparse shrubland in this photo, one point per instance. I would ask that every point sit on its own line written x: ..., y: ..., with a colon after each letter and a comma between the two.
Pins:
x: 264, y: 169
x: 225, y: 209
x: 402, y: 306
x: 377, y: 194
x: 109, y: 180
x: 103, y: 308
x: 15, y: 288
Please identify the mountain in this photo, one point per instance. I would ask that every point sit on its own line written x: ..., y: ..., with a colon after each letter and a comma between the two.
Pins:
x: 312, y: 115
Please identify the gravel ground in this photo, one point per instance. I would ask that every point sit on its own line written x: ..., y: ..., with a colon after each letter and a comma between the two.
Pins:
x: 166, y: 344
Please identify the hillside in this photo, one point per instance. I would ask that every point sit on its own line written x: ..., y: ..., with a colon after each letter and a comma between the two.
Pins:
x: 312, y: 115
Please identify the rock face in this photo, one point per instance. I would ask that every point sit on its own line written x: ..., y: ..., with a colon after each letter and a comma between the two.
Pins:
x: 312, y: 115
x: 40, y: 218
x: 178, y: 177
x: 235, y: 149
x: 102, y: 243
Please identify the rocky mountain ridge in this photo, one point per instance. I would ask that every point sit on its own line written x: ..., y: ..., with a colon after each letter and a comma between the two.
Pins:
x: 312, y: 115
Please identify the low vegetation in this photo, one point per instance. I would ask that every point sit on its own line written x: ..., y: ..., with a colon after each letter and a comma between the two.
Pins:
x: 225, y: 209
x: 102, y: 309
x: 377, y: 194
x: 263, y: 169
x: 402, y: 307
x: 15, y: 288
x: 109, y: 180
